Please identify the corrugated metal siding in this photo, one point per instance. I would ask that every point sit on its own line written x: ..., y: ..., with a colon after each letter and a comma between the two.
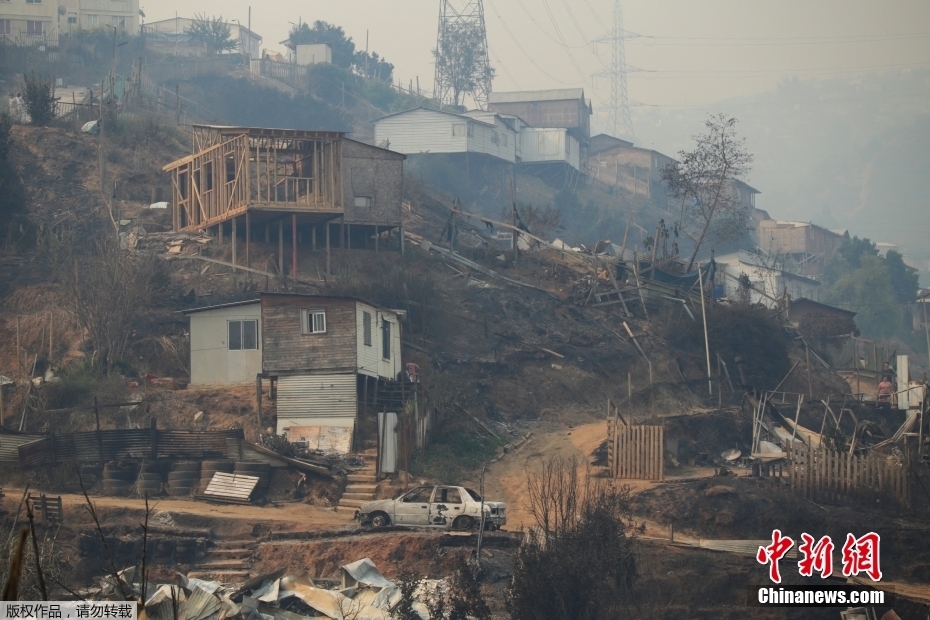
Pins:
x: 490, y: 141
x: 309, y: 396
x: 126, y: 443
x: 9, y: 446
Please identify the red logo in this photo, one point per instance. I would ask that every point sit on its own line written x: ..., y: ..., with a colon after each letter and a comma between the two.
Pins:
x: 861, y: 556
x: 773, y: 553
x: 816, y: 556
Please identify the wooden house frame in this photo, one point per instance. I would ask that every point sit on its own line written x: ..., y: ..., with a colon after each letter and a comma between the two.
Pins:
x: 274, y: 172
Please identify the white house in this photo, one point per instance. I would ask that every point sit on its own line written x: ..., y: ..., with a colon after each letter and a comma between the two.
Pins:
x: 549, y: 145
x: 421, y: 130
x: 170, y: 36
x: 768, y: 283
x: 226, y: 343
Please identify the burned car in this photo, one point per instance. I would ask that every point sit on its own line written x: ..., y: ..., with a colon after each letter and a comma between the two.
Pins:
x: 441, y: 506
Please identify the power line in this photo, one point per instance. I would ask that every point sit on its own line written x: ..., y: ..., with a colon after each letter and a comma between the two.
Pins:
x: 744, y: 42
x: 525, y: 53
x: 726, y: 104
x: 501, y: 64
x: 543, y: 30
x: 750, y: 72
x: 558, y: 32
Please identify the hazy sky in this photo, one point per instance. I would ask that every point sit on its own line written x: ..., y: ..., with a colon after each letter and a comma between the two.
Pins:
x: 690, y: 53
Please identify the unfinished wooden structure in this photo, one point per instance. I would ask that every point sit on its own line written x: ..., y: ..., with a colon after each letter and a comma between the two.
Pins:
x: 315, y: 188
x: 634, y: 452
x: 820, y: 473
x: 263, y: 176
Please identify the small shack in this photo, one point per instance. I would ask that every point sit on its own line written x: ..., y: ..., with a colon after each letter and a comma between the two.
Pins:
x: 226, y: 343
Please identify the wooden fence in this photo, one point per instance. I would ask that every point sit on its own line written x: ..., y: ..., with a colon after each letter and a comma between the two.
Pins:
x: 635, y: 452
x: 820, y: 473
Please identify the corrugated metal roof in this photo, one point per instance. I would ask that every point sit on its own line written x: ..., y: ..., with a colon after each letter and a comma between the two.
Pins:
x: 218, y: 306
x: 525, y: 96
x: 10, y: 443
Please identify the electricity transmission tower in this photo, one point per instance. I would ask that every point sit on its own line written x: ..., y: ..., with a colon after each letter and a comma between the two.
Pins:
x: 462, y: 64
x: 618, y: 114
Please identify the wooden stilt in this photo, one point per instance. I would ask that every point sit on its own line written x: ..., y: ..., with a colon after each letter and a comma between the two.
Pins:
x: 233, y: 237
x: 328, y: 271
x: 281, y: 247
x: 294, y: 245
x: 248, y: 239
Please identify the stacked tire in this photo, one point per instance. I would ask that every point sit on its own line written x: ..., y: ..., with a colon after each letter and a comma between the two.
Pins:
x: 256, y: 468
x: 90, y: 475
x: 208, y: 468
x: 151, y: 478
x: 118, y: 478
x: 183, y: 478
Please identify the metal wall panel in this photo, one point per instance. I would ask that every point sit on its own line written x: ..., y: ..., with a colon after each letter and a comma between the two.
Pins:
x: 313, y: 396
x: 10, y: 443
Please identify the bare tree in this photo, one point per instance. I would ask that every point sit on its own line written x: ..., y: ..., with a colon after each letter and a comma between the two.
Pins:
x: 578, y: 562
x: 108, y: 292
x: 541, y: 220
x: 703, y: 180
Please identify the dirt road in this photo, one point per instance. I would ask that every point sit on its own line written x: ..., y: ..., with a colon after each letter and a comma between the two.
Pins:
x: 283, y: 516
x: 506, y: 479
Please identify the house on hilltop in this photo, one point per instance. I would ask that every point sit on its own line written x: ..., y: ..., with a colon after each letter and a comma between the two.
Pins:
x: 170, y: 36
x: 618, y: 163
x: 422, y: 130
x: 811, y: 246
x: 38, y: 22
x: 768, y: 283
x: 563, y: 108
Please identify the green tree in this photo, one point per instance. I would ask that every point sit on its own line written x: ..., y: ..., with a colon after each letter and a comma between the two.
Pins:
x: 461, y: 60
x: 323, y: 32
x: 904, y: 279
x: 39, y: 96
x: 373, y: 66
x: 213, y: 33
x: 868, y: 291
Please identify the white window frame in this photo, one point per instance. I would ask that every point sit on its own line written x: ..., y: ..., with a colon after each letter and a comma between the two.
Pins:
x: 242, y: 323
x: 366, y: 328
x: 458, y: 130
x: 6, y: 25
x: 363, y: 201
x: 35, y: 33
x: 33, y: 1
x: 313, y: 321
x: 91, y: 19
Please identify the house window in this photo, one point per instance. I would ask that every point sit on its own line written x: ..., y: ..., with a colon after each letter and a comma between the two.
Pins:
x: 386, y: 339
x: 363, y: 201
x: 458, y: 129
x: 72, y: 18
x: 118, y: 21
x: 312, y: 322
x: 471, y: 130
x: 6, y: 26
x: 33, y: 1
x: 91, y: 20
x: 366, y: 328
x: 568, y: 146
x: 34, y: 28
x: 243, y: 335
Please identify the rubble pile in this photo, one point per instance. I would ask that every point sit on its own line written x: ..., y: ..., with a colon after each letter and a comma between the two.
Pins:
x: 361, y: 592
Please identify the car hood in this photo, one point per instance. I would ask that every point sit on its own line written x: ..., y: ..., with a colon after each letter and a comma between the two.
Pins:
x: 387, y: 505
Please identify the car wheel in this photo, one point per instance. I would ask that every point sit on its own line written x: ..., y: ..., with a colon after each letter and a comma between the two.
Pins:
x: 463, y: 522
x: 379, y: 519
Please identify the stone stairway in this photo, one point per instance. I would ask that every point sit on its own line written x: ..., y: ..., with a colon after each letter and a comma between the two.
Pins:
x: 361, y: 486
x: 226, y: 561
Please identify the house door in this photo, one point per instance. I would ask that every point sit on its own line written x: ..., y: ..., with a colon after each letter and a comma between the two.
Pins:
x: 242, y: 344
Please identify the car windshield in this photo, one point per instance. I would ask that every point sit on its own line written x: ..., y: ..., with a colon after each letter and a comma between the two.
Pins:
x: 474, y: 495
x: 419, y: 495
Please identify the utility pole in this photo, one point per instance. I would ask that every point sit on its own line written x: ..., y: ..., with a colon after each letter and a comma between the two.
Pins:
x: 618, y: 114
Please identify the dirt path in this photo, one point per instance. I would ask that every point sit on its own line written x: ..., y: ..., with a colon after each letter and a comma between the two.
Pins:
x: 307, y: 516
x: 506, y: 479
